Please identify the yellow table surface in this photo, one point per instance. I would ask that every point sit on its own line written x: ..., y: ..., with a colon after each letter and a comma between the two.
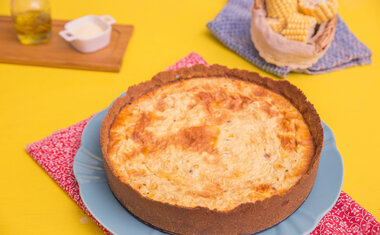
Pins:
x: 35, y: 101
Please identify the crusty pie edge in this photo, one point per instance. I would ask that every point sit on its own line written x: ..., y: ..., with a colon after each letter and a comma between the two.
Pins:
x: 244, y: 219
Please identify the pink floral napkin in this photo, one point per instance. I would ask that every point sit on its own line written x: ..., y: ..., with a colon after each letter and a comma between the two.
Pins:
x: 55, y: 154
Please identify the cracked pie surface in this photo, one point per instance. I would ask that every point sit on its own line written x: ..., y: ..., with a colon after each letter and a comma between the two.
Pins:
x: 212, y: 140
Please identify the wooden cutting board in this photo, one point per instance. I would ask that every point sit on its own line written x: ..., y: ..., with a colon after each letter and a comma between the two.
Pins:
x: 59, y: 53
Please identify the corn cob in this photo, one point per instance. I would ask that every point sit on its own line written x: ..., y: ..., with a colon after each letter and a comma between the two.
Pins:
x: 277, y: 25
x: 322, y: 10
x: 299, y: 27
x: 280, y: 8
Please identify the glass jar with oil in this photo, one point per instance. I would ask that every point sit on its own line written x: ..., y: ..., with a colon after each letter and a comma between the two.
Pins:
x: 32, y: 21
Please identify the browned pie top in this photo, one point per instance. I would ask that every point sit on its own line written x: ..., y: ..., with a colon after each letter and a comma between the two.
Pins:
x: 210, y: 142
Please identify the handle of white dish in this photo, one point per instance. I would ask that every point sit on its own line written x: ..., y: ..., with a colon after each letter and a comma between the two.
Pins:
x: 108, y: 19
x: 67, y: 35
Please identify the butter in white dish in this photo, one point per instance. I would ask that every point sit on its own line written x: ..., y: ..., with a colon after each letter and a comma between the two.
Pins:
x: 88, y: 30
x: 88, y: 33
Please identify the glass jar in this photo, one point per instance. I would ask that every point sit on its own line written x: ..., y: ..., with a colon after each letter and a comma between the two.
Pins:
x: 32, y: 21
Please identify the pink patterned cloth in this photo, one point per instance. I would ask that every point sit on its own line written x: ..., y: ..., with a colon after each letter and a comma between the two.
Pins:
x: 55, y: 154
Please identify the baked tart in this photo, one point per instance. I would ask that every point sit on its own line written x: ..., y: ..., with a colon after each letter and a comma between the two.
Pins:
x: 293, y: 33
x: 211, y: 150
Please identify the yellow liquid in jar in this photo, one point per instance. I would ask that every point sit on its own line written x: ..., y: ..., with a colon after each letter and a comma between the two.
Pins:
x: 33, y: 27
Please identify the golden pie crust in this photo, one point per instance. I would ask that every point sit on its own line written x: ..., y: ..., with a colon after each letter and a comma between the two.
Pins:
x: 211, y: 150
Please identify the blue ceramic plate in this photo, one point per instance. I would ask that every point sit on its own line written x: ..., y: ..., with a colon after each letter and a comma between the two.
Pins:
x: 98, y: 198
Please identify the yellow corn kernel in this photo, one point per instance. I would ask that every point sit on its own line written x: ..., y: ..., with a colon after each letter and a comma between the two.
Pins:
x: 151, y: 195
x: 329, y: 13
x: 299, y: 27
x: 323, y: 11
x: 305, y: 9
x: 320, y: 15
x: 238, y: 173
x: 280, y: 8
x: 153, y: 186
x: 277, y: 25
x: 333, y: 4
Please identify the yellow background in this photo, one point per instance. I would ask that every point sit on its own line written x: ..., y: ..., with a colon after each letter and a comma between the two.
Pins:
x: 35, y: 101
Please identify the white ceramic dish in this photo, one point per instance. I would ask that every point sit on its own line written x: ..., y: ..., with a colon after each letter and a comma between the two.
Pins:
x: 88, y: 33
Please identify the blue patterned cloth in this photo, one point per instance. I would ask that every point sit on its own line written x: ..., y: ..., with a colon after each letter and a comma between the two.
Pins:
x: 232, y: 27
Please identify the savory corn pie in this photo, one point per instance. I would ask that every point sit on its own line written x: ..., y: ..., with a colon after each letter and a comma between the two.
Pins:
x: 209, y: 150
